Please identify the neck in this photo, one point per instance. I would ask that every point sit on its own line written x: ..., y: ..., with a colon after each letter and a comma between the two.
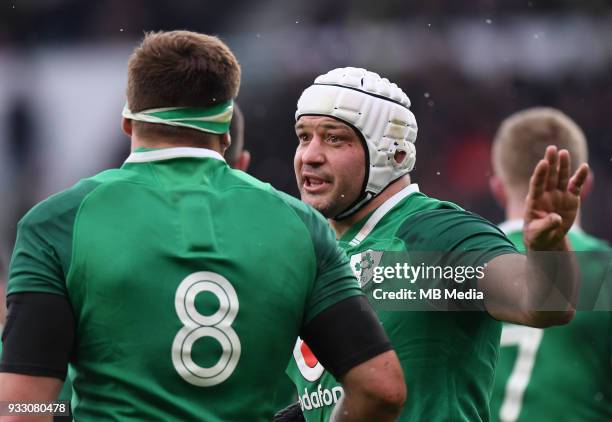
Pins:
x: 342, y: 226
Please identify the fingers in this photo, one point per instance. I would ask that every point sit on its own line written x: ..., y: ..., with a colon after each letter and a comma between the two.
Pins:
x: 578, y: 179
x: 546, y: 224
x: 551, y: 156
x: 544, y: 231
x: 537, y: 183
x: 564, y: 169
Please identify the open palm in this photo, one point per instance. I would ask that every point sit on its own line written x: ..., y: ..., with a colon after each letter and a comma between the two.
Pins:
x: 553, y: 201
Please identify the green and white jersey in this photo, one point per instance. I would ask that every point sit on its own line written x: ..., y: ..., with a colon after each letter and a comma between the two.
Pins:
x: 189, y: 282
x: 560, y: 373
x: 448, y: 358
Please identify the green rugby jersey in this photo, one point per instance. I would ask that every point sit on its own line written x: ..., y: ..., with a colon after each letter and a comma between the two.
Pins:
x: 189, y: 282
x: 560, y: 373
x: 448, y: 358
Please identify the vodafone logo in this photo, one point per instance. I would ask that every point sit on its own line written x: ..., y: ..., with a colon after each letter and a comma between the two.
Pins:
x: 308, y: 364
x: 309, y: 358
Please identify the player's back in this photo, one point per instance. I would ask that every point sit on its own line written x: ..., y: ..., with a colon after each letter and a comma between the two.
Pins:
x: 560, y: 373
x: 189, y: 283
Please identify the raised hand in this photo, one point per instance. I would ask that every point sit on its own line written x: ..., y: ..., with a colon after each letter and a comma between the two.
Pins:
x: 552, y: 201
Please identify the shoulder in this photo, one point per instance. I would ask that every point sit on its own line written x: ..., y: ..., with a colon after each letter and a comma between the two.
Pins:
x: 446, y: 226
x: 319, y: 229
x: 582, y: 241
x: 301, y: 213
x: 59, y: 205
x: 69, y: 200
x: 418, y: 202
x: 442, y: 219
x: 303, y: 210
x: 241, y: 179
x: 237, y: 182
x: 43, y: 247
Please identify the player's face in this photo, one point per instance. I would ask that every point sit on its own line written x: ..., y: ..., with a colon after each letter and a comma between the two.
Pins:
x: 329, y: 164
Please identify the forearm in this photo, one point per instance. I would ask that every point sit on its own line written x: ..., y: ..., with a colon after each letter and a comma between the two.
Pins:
x: 551, y: 285
x: 27, y: 418
x: 17, y: 388
x: 538, y: 289
x: 356, y: 408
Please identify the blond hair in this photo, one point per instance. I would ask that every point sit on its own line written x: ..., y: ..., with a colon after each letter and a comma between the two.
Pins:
x: 522, y: 138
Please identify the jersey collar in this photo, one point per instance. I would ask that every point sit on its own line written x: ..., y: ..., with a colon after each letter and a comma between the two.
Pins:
x: 516, y: 225
x: 511, y: 226
x: 170, y: 153
x: 381, y: 211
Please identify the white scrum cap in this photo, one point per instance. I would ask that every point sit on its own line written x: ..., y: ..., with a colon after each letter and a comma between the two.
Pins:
x: 379, y: 110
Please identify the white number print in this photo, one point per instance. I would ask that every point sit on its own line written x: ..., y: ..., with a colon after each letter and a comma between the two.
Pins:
x: 528, y: 341
x: 197, y: 326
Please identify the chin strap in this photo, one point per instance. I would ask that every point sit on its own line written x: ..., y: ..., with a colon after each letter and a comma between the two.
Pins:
x: 355, y: 206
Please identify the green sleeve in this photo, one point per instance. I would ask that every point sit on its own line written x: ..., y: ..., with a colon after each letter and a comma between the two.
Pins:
x: 41, y: 257
x: 334, y: 279
x: 469, y: 238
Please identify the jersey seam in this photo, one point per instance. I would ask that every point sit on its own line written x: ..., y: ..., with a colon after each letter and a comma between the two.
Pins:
x: 153, y: 171
x: 77, y: 216
x: 312, y: 245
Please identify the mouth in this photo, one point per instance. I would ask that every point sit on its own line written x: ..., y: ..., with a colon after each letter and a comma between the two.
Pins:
x: 313, y: 184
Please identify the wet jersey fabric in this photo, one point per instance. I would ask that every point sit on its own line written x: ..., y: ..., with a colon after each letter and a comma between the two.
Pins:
x: 560, y: 373
x: 448, y: 358
x: 189, y: 283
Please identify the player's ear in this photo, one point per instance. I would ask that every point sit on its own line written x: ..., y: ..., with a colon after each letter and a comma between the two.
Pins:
x: 225, y: 140
x: 588, y: 185
x: 498, y: 190
x: 243, y: 161
x: 126, y: 126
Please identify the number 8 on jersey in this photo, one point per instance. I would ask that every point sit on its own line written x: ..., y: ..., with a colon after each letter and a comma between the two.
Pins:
x: 197, y: 326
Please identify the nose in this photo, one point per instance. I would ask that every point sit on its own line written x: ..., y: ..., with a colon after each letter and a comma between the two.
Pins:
x: 313, y: 152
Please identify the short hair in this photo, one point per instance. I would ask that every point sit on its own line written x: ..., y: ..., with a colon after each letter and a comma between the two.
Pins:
x: 180, y: 69
x: 522, y: 138
x: 232, y: 154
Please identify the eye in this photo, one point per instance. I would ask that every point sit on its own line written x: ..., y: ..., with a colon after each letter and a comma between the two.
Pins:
x: 333, y: 139
x: 302, y: 137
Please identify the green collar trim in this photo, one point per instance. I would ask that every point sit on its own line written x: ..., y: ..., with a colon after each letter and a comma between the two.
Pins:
x: 381, y: 211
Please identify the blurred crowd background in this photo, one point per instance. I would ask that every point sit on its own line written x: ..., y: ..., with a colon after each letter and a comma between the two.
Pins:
x: 465, y: 66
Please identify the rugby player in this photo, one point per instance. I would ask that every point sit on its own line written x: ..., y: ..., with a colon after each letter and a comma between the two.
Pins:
x: 355, y: 149
x: 175, y: 287
x: 236, y: 155
x: 560, y: 373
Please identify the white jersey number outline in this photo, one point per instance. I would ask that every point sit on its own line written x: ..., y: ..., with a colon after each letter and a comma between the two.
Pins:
x: 197, y: 326
x: 528, y: 341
